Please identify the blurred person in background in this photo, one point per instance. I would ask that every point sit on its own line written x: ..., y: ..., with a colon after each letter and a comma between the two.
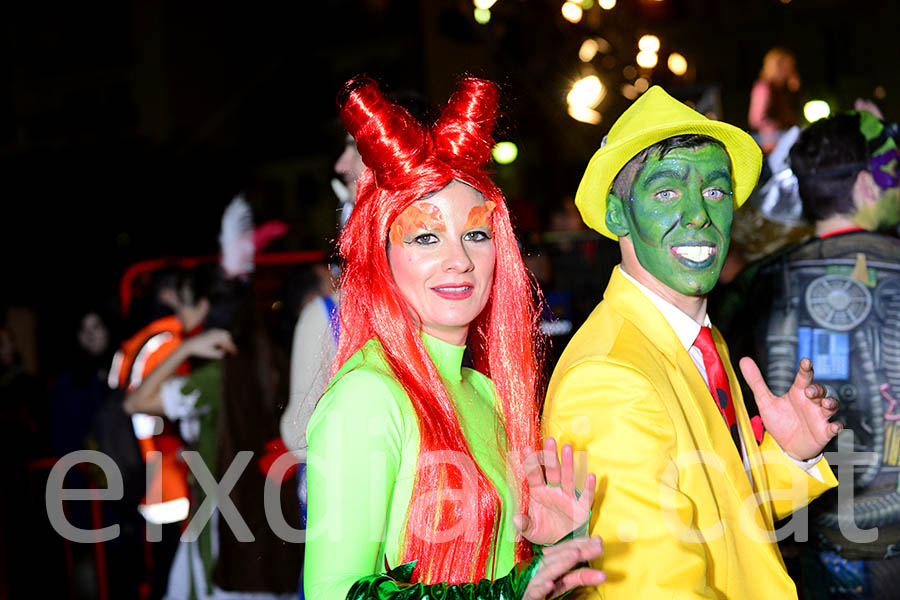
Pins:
x: 166, y: 502
x: 82, y: 385
x: 835, y: 298
x: 226, y: 405
x: 773, y: 98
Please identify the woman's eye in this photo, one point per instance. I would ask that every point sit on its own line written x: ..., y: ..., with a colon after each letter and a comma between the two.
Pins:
x: 477, y: 235
x: 425, y: 239
x: 665, y: 195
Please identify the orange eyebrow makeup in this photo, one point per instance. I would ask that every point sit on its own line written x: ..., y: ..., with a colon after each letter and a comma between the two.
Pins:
x: 479, y: 216
x: 417, y: 216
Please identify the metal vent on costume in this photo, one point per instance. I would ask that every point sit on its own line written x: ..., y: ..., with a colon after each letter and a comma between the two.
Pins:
x: 837, y: 302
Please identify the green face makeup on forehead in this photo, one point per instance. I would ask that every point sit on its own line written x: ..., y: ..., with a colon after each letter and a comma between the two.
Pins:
x: 679, y: 217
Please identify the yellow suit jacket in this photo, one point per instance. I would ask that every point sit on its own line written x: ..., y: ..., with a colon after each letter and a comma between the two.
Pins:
x: 678, y: 515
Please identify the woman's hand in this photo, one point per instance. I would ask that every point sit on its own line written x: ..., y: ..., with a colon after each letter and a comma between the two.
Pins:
x: 554, y: 510
x: 557, y: 573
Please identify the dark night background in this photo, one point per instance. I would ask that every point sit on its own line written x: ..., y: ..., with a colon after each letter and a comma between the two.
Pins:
x: 126, y: 126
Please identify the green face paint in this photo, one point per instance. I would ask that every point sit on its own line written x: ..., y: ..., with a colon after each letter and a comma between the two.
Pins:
x: 679, y: 217
x: 883, y: 214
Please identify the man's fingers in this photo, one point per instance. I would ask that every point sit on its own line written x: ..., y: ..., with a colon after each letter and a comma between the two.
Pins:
x: 835, y: 427
x: 805, y: 373
x: 755, y: 380
x: 829, y: 405
x: 815, y: 391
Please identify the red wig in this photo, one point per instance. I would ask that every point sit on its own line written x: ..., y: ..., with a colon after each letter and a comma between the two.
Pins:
x: 406, y: 160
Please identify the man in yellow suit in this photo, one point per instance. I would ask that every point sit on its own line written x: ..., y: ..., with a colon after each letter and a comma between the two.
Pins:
x: 690, y: 487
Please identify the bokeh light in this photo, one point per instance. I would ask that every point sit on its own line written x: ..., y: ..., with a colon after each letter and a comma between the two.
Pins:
x: 588, y: 91
x: 677, y: 64
x: 484, y: 4
x: 629, y: 91
x: 641, y: 84
x: 646, y: 59
x: 505, y: 152
x: 482, y: 16
x: 649, y: 43
x: 629, y: 72
x: 572, y: 12
x: 815, y: 110
x: 606, y: 4
x: 584, y: 114
x: 588, y: 50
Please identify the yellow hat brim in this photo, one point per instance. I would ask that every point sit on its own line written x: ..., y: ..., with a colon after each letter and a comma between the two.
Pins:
x: 595, y: 186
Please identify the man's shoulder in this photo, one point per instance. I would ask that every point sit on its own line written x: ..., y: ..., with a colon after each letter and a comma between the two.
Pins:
x: 606, y: 337
x: 848, y: 245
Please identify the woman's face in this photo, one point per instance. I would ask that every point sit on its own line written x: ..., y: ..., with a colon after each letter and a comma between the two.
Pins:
x: 93, y: 335
x: 441, y: 254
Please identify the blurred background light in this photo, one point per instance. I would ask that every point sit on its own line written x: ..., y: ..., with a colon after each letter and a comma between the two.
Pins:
x: 629, y: 91
x: 677, y: 64
x: 588, y: 50
x: 649, y: 43
x: 572, y: 12
x: 641, y: 84
x: 880, y: 93
x: 587, y: 4
x: 584, y: 114
x: 606, y: 4
x: 505, y: 152
x: 629, y: 72
x: 588, y: 92
x: 482, y: 16
x: 484, y: 4
x: 646, y: 59
x: 815, y: 110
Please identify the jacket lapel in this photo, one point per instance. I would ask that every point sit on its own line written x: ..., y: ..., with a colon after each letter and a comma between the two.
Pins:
x: 708, y: 428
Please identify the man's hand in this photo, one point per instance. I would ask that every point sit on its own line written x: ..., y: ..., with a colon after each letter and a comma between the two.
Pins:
x: 798, y: 420
x: 213, y: 343
x: 554, y: 510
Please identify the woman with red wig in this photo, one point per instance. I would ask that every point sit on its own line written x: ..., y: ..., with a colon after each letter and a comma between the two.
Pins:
x: 417, y: 465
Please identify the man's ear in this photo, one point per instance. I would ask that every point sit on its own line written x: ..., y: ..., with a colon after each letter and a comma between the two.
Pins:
x: 865, y: 191
x: 615, y: 216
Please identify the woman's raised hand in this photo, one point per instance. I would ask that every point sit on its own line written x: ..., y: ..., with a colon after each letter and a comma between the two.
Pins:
x: 557, y: 574
x: 555, y: 510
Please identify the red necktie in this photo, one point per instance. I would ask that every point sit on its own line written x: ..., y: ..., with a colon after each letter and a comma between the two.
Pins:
x: 718, y: 381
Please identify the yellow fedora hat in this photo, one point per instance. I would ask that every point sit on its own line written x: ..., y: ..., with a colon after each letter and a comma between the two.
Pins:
x: 653, y: 117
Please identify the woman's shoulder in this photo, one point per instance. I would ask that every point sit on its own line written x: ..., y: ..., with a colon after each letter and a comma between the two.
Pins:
x: 364, y: 385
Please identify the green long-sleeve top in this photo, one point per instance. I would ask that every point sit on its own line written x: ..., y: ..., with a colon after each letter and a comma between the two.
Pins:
x: 363, y: 445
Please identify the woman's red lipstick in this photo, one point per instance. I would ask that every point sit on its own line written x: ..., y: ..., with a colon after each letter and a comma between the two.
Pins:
x: 458, y: 291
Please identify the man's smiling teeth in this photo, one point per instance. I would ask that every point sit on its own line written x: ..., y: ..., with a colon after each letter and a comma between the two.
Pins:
x: 694, y: 253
